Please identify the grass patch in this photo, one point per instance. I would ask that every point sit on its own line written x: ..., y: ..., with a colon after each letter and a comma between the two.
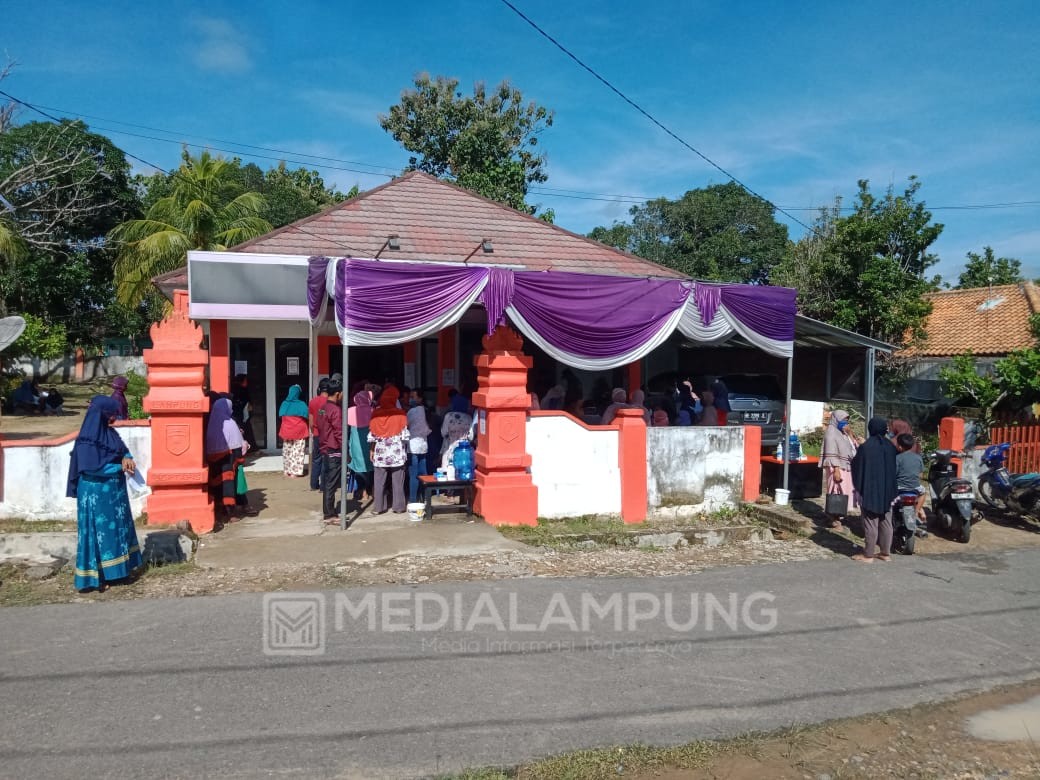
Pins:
x: 17, y: 590
x: 21, y: 526
x: 169, y: 570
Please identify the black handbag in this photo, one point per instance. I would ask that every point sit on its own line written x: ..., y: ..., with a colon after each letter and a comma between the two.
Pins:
x: 837, y: 504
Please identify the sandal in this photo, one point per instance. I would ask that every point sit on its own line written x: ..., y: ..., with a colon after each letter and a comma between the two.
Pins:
x: 862, y: 558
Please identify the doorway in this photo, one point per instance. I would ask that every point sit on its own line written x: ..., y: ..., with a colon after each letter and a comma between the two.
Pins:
x: 247, y: 357
x: 291, y: 367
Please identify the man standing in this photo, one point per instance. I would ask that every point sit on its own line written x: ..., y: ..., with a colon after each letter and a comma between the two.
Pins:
x: 330, y: 442
x: 314, y: 406
x: 874, y: 477
x: 240, y: 407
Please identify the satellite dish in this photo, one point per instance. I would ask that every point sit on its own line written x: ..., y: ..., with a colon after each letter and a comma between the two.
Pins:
x: 10, y: 329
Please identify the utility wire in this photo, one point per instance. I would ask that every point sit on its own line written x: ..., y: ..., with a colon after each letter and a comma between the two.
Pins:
x: 159, y: 168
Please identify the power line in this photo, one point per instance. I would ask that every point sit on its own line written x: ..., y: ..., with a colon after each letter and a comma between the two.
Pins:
x: 648, y: 115
x: 174, y: 173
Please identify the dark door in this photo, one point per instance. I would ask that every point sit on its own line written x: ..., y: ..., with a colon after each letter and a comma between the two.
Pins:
x: 249, y: 354
x: 290, y: 368
x: 371, y: 364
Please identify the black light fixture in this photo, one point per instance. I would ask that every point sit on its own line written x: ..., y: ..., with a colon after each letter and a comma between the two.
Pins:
x: 487, y: 246
x: 393, y: 241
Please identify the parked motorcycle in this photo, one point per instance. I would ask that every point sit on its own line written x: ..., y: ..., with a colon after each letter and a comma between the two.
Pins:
x: 1018, y: 493
x: 952, y: 496
x: 906, y: 527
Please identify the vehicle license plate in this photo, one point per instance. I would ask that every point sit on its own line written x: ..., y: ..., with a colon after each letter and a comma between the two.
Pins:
x: 756, y: 417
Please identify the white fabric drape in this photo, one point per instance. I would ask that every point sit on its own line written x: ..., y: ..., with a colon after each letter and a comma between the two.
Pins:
x: 724, y: 326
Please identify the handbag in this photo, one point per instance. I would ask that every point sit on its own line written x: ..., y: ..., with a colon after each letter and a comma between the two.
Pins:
x: 241, y: 488
x: 837, y: 504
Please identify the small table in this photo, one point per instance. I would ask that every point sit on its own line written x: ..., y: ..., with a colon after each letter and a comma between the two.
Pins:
x: 429, y: 484
x: 804, y: 477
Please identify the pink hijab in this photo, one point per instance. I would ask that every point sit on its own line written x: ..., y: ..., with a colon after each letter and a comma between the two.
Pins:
x: 360, y: 414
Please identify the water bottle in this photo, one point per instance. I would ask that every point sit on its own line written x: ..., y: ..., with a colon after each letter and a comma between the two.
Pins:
x: 795, y: 448
x: 463, y: 460
x: 779, y: 450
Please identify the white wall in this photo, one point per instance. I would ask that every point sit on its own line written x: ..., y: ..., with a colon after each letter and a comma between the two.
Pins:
x: 700, y: 469
x: 63, y: 370
x: 806, y: 416
x: 35, y: 477
x: 575, y: 469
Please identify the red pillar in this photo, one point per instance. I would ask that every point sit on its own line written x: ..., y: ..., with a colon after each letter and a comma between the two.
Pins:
x: 752, y: 462
x: 505, y: 493
x: 324, y: 342
x: 176, y: 370
x: 411, y: 363
x: 634, y: 376
x: 80, y: 365
x: 951, y: 437
x: 632, y: 460
x: 219, y: 357
x: 446, y: 362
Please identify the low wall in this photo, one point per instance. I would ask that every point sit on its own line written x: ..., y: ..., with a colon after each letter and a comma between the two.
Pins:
x: 63, y: 370
x: 700, y: 469
x: 574, y: 466
x: 35, y: 473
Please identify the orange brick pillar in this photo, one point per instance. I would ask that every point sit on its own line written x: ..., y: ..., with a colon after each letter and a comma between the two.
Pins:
x: 219, y: 357
x: 951, y: 437
x: 634, y: 377
x: 446, y: 363
x: 632, y: 460
x: 176, y: 370
x: 505, y: 493
x: 752, y: 462
x: 79, y: 370
x: 411, y: 363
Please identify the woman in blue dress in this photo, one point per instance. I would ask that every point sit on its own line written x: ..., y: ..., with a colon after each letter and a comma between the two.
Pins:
x: 107, y: 547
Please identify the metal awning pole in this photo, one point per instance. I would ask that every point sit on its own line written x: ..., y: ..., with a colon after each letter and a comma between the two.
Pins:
x: 787, y: 421
x: 345, y: 456
x: 868, y: 392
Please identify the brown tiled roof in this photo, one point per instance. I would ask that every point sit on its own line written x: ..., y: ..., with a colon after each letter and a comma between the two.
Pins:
x: 438, y: 221
x: 981, y: 320
x: 171, y: 280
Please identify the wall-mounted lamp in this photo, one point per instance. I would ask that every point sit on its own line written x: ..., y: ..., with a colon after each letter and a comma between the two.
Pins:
x: 393, y: 241
x: 485, y: 245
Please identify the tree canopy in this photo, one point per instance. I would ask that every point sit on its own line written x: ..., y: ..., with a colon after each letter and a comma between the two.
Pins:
x: 865, y: 271
x: 986, y: 270
x: 487, y: 143
x: 720, y: 233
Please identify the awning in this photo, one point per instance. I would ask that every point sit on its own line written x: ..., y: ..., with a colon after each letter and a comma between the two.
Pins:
x: 587, y: 321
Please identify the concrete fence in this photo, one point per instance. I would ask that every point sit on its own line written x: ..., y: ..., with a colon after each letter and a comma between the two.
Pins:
x: 63, y: 370
x: 695, y: 469
x: 35, y: 473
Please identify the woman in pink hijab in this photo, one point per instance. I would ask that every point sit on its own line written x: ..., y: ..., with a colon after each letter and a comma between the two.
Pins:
x: 358, y: 417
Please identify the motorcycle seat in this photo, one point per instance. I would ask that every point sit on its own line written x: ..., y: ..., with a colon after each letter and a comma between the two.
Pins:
x: 1021, y: 480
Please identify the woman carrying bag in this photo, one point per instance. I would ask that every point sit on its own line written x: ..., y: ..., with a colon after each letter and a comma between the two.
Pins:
x: 839, y: 448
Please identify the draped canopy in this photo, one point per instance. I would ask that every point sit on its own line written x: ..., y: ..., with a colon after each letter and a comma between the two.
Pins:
x: 584, y: 320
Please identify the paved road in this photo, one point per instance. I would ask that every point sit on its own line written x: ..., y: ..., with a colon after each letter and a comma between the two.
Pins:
x: 182, y: 688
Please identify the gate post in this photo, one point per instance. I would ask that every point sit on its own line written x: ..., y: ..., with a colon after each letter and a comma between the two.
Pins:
x: 506, y: 495
x: 176, y: 367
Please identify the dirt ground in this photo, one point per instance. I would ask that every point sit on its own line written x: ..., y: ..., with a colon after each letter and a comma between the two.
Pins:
x: 929, y: 741
x: 38, y: 426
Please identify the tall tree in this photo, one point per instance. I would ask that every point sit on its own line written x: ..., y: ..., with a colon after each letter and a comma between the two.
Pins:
x: 721, y: 232
x: 486, y: 143
x: 872, y: 263
x: 986, y: 270
x: 201, y: 211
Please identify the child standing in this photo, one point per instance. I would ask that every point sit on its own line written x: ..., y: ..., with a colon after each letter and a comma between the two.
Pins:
x: 909, y: 466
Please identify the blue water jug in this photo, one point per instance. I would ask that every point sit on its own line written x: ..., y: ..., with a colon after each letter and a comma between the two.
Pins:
x: 462, y: 460
x: 794, y: 450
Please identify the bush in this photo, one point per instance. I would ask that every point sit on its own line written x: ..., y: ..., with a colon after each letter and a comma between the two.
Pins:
x: 135, y: 393
x: 9, y: 382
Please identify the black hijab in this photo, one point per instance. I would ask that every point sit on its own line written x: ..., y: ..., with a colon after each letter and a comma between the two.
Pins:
x: 98, y: 444
x: 874, y: 469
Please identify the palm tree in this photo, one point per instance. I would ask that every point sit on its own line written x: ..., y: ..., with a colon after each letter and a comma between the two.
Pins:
x: 197, y: 214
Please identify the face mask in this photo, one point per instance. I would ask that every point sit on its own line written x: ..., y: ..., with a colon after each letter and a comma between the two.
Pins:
x: 843, y: 424
x: 412, y: 403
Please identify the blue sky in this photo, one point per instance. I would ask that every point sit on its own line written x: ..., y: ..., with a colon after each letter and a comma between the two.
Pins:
x: 798, y: 100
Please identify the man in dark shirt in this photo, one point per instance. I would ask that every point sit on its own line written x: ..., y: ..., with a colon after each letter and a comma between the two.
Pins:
x: 314, y: 406
x: 330, y: 443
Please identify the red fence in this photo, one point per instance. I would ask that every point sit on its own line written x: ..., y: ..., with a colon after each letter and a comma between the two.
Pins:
x: 1025, y: 445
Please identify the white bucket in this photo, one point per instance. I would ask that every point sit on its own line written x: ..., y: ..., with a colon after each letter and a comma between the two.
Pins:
x: 416, y: 512
x: 782, y: 497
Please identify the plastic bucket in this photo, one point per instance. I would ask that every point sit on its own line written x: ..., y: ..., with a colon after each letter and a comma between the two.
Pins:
x: 782, y: 497
x: 416, y: 512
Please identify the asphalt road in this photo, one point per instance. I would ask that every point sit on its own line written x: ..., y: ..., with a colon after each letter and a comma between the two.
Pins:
x: 183, y: 688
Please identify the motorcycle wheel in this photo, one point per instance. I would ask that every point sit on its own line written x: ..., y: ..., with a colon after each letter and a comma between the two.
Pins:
x: 966, y: 531
x: 908, y: 544
x: 988, y: 491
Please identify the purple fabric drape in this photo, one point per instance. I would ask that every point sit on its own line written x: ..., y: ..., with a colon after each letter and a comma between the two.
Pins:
x: 497, y: 295
x: 596, y: 316
x: 708, y: 298
x: 316, y: 290
x: 389, y: 297
x: 766, y: 310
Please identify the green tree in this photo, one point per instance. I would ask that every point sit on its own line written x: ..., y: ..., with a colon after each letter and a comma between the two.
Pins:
x: 201, y: 212
x: 486, y: 143
x: 721, y: 232
x: 869, y: 265
x: 66, y: 188
x: 39, y: 340
x: 985, y: 270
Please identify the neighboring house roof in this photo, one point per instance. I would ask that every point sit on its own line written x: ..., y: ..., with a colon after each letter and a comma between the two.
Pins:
x: 171, y: 280
x: 982, y: 320
x: 438, y: 221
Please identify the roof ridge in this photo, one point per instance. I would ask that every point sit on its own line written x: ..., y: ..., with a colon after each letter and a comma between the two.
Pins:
x: 966, y: 290
x: 1032, y: 295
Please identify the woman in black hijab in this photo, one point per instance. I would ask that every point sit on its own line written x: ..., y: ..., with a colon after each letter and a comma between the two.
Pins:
x: 874, y: 477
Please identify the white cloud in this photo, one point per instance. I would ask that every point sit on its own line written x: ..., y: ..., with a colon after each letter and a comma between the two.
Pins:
x: 219, y: 46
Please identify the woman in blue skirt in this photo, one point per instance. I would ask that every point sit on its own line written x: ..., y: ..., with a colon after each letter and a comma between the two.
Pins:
x: 107, y: 548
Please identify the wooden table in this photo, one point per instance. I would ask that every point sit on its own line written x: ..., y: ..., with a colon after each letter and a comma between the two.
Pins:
x: 429, y: 484
x: 804, y: 477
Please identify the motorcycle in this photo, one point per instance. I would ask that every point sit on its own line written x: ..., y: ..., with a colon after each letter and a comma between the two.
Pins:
x: 1019, y: 493
x: 952, y: 496
x: 906, y: 527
